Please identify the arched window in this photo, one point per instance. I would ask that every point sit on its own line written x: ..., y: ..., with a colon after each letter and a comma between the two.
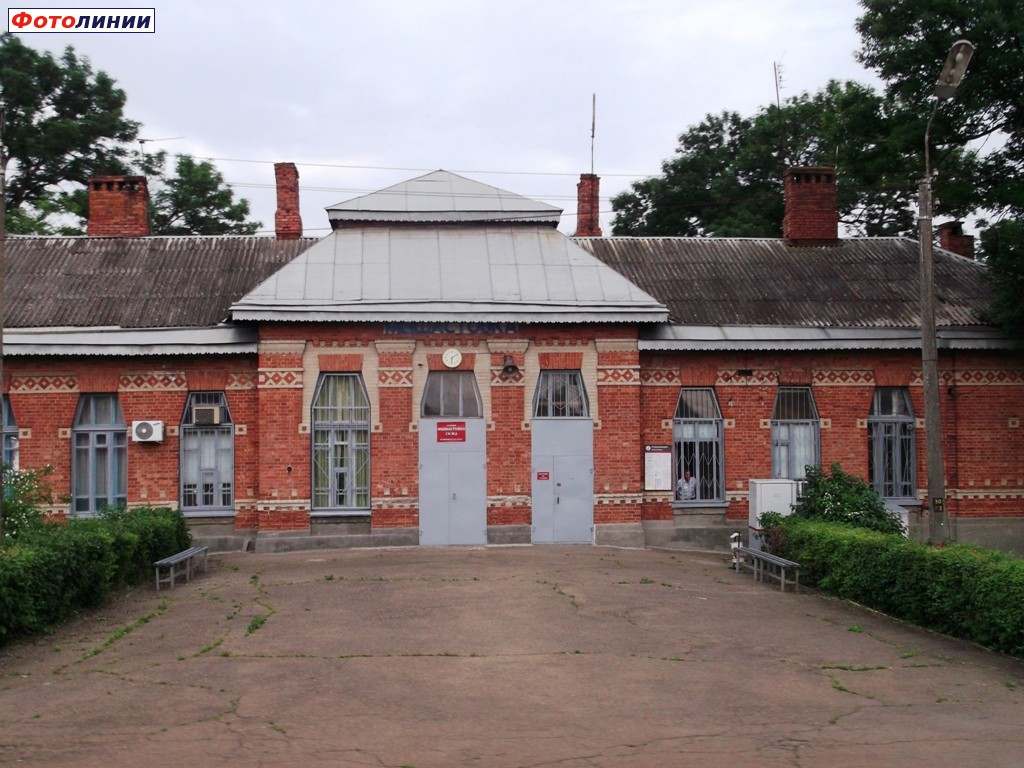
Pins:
x: 892, y: 456
x: 560, y: 395
x: 697, y: 434
x: 341, y: 444
x: 207, y: 455
x: 796, y: 436
x: 451, y: 394
x: 10, y: 435
x: 99, y: 463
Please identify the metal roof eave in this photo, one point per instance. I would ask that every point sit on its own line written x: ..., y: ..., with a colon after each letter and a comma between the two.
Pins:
x: 130, y: 342
x: 800, y: 338
x: 522, y: 313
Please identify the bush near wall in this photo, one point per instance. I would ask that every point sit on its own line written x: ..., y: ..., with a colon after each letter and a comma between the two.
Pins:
x: 963, y: 591
x: 57, y: 569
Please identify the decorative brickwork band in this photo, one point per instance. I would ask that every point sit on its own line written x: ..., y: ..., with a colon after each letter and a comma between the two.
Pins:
x: 45, y: 383
x: 394, y: 377
x: 993, y: 378
x: 153, y: 382
x: 282, y: 378
x: 619, y: 376
x: 661, y: 377
x: 560, y: 361
x: 241, y: 380
x: 747, y: 378
x: 499, y: 379
x: 945, y: 378
x: 829, y: 378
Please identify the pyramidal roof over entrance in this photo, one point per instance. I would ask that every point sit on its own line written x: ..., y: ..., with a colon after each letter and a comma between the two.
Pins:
x: 444, y: 197
x: 443, y: 248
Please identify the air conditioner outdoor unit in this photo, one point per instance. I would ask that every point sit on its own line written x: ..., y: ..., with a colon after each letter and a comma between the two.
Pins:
x: 205, y: 415
x: 147, y: 431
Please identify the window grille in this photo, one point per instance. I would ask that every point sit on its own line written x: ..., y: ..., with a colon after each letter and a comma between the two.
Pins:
x: 207, y: 463
x: 451, y: 394
x: 892, y: 454
x: 560, y: 395
x: 698, y: 447
x: 341, y: 444
x: 796, y: 433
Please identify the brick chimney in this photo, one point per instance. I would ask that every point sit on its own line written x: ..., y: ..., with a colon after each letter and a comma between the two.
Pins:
x: 952, y: 238
x: 588, y: 220
x: 287, y: 220
x: 811, y: 215
x: 118, y: 206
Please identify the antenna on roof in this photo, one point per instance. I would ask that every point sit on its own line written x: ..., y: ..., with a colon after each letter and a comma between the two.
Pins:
x: 593, y: 129
x: 777, y: 65
x: 144, y: 142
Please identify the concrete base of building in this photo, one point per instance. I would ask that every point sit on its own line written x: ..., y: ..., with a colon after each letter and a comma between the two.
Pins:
x: 509, y: 534
x: 704, y: 530
x: 620, y: 535
x: 294, y: 541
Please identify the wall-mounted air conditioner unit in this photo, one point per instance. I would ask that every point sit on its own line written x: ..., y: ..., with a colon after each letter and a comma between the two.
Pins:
x: 205, y: 415
x: 147, y: 431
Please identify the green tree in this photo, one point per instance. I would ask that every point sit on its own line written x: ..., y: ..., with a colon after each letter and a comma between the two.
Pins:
x: 906, y: 43
x: 726, y: 177
x: 64, y: 123
x: 196, y: 201
x: 1002, y: 247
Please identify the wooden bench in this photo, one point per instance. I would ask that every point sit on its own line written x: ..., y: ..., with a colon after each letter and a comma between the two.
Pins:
x: 766, y: 565
x: 180, y: 566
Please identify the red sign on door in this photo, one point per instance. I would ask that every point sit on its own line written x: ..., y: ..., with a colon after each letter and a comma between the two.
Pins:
x: 451, y: 431
x: 543, y: 475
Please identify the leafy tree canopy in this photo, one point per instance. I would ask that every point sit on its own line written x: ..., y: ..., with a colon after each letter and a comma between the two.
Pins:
x: 1003, y: 247
x: 64, y: 123
x: 726, y: 177
x: 196, y: 201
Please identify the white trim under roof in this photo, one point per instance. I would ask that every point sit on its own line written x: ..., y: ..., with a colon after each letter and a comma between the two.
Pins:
x: 130, y: 342
x: 683, y: 338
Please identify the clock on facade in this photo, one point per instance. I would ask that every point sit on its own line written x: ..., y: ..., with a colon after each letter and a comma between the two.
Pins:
x: 451, y: 358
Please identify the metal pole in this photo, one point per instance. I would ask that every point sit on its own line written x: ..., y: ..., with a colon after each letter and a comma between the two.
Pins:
x: 937, y: 524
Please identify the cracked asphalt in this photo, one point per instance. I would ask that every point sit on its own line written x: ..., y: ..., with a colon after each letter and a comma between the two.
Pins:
x: 500, y: 656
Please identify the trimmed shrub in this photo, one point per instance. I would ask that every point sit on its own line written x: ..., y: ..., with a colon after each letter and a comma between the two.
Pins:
x: 963, y: 591
x: 842, y: 498
x: 55, y: 569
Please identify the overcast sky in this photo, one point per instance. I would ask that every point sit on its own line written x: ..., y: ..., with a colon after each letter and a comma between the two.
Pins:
x: 362, y: 95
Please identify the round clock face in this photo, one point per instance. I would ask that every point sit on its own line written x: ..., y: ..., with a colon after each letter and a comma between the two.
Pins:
x: 451, y: 358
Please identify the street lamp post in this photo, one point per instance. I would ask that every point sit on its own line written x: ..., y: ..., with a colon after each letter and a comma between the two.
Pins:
x: 950, y: 77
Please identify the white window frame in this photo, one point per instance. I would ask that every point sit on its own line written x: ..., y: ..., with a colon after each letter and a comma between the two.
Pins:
x: 207, y: 459
x: 340, y: 455
x: 451, y: 394
x: 796, y: 433
x: 11, y: 448
x: 698, y: 445
x: 97, y: 445
x: 892, y: 447
x: 561, y: 395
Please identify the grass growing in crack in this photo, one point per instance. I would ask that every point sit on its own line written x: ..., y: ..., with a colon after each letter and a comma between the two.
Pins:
x: 855, y: 667
x: 256, y: 623
x: 125, y: 630
x: 209, y: 647
x: 855, y: 628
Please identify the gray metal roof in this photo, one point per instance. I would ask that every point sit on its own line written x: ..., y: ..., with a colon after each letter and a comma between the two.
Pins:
x: 137, y: 282
x: 442, y: 196
x: 484, y: 273
x: 858, y: 283
x: 218, y: 340
x: 777, y: 337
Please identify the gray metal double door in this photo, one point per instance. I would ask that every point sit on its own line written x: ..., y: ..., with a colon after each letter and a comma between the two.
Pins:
x: 453, y: 481
x: 563, y: 481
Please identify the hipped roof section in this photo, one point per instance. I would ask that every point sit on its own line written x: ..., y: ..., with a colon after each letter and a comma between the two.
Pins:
x: 443, y: 248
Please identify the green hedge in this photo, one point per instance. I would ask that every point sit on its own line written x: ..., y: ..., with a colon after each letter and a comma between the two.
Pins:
x: 60, y: 568
x: 963, y: 591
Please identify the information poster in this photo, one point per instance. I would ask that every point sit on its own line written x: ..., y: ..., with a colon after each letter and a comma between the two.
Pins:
x: 657, y: 467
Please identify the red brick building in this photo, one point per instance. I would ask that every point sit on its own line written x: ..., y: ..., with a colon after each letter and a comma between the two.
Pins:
x: 446, y: 368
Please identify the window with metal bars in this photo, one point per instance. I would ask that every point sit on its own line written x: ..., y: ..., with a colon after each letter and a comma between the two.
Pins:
x: 892, y: 454
x: 560, y: 395
x: 698, y: 447
x: 451, y: 394
x: 341, y: 444
x: 99, y: 459
x: 207, y: 455
x: 796, y: 433
x: 10, y: 435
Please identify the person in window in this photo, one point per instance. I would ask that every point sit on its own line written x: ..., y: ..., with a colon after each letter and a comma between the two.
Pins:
x: 686, y: 487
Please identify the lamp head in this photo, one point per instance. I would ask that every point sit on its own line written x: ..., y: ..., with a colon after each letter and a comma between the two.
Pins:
x: 953, y: 70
